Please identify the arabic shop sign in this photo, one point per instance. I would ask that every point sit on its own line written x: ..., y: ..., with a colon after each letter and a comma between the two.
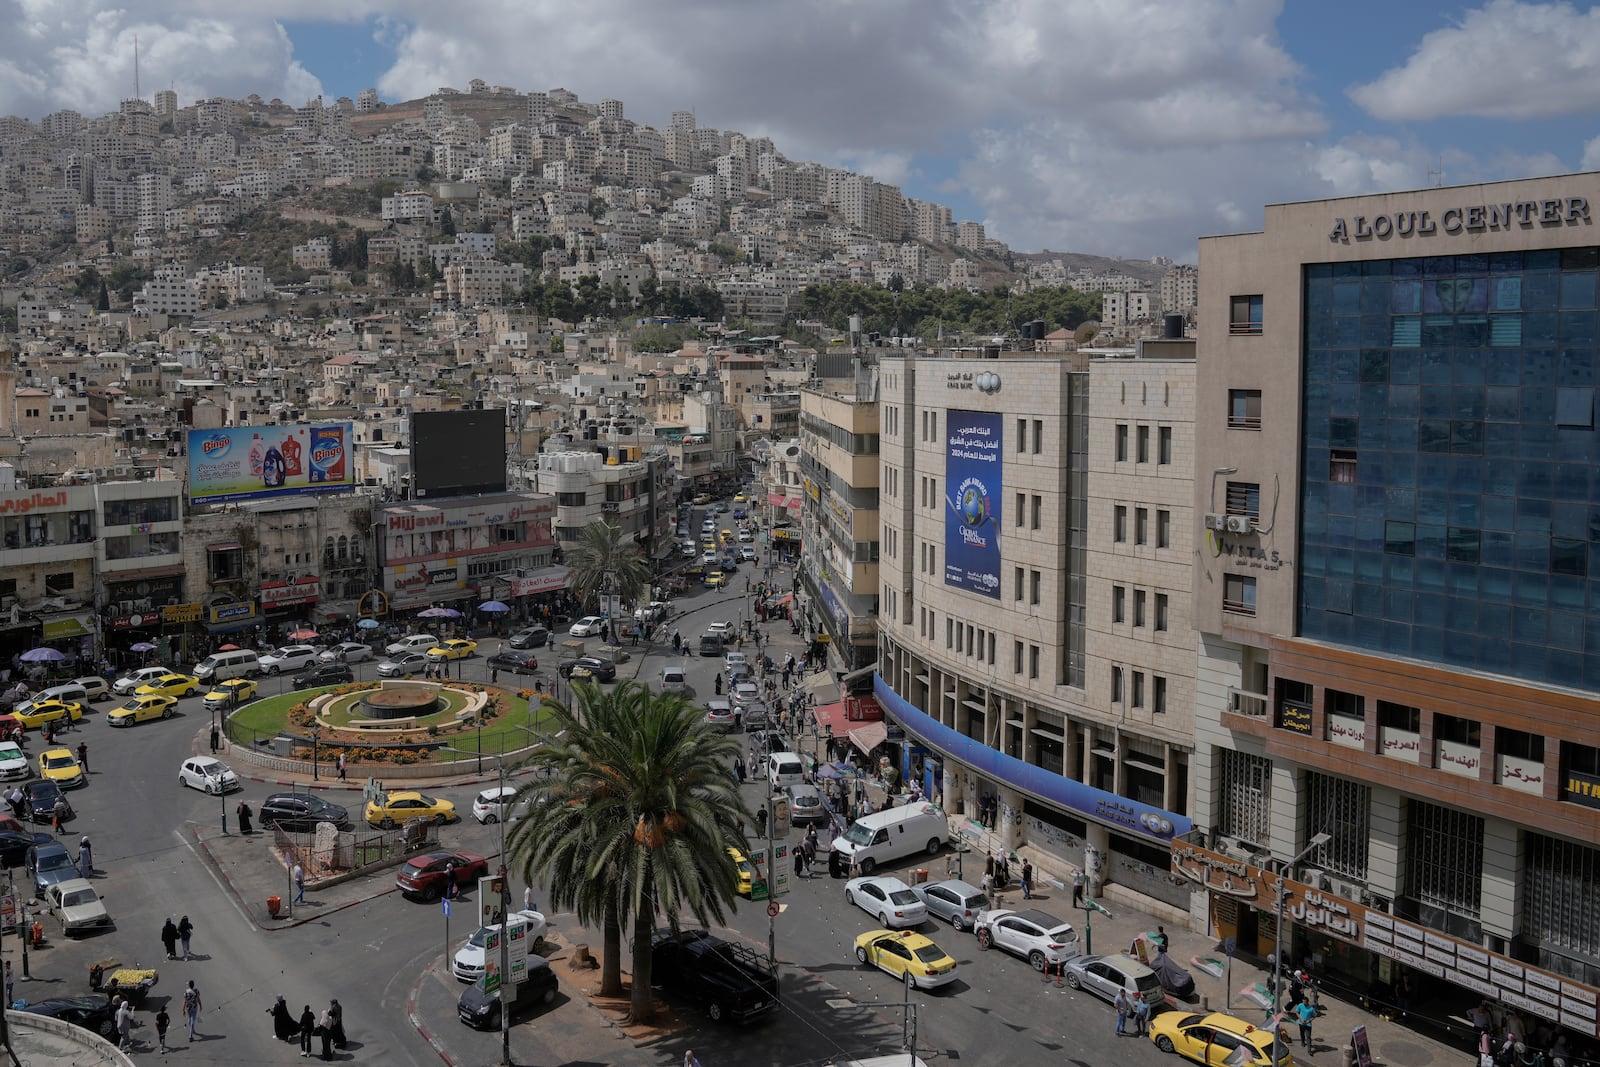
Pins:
x: 1520, y: 214
x: 1523, y: 775
x: 1581, y: 789
x: 1347, y: 730
x: 1458, y: 758
x: 1237, y: 880
x: 1400, y: 744
x: 1296, y: 718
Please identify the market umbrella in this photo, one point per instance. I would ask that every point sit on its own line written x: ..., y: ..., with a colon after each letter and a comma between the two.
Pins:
x: 494, y: 607
x: 303, y: 635
x: 227, y: 648
x: 368, y: 624
x: 142, y: 646
x: 836, y: 771
x: 43, y: 654
x: 439, y: 613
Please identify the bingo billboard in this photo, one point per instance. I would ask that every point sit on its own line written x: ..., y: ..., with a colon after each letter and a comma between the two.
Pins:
x: 256, y: 462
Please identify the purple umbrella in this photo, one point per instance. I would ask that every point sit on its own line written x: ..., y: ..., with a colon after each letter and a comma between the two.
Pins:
x: 43, y: 654
x: 142, y: 646
x: 439, y: 613
x: 494, y: 607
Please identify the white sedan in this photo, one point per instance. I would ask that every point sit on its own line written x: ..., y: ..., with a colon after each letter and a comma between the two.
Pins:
x: 722, y: 627
x: 889, y: 900
x: 348, y: 652
x: 208, y: 775
x: 588, y: 626
x: 143, y: 676
x: 77, y: 905
x: 13, y: 762
x: 468, y: 963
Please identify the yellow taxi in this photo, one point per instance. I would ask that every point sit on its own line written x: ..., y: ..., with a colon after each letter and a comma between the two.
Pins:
x: 1218, y: 1039
x: 740, y: 498
x: 455, y: 648
x: 142, y: 707
x: 745, y: 869
x: 171, y: 685
x: 727, y: 536
x: 400, y: 806
x: 35, y: 713
x: 230, y: 693
x: 60, y: 766
x: 716, y: 578
x: 908, y: 956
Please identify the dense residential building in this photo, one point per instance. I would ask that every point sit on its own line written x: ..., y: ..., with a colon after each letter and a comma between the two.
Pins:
x: 1395, y: 582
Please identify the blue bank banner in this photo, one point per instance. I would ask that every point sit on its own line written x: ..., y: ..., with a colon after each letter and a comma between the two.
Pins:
x: 972, y: 524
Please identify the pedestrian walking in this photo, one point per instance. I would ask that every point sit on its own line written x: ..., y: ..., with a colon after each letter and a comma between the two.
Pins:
x: 169, y: 938
x: 336, y: 1015
x: 1077, y: 889
x: 85, y: 858
x: 308, y: 1026
x: 1027, y: 880
x: 1160, y: 938
x: 527, y: 900
x: 125, y: 1026
x: 494, y: 674
x: 761, y: 821
x: 191, y: 1007
x: 11, y: 997
x: 299, y: 875
x: 14, y: 798
x: 325, y: 1031
x: 1121, y: 1006
x: 284, y: 1027
x: 83, y: 755
x: 1305, y: 1014
x: 689, y: 1059
x: 450, y: 880
x: 341, y: 765
x: 163, y: 1021
x: 800, y: 864
x: 243, y: 812
x: 185, y: 932
x: 216, y: 738
x: 58, y: 814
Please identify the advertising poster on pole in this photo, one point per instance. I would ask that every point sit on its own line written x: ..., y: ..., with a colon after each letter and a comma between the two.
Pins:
x: 972, y: 519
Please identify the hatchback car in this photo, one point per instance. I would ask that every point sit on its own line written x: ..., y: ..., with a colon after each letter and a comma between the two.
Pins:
x: 231, y: 693
x: 1037, y: 936
x: 89, y: 1011
x: 323, y: 674
x: 532, y: 637
x: 735, y: 659
x: 747, y: 554
x: 745, y: 694
x: 805, y: 805
x: 1106, y: 976
x: 347, y: 652
x: 208, y: 775
x: 288, y: 658
x: 481, y: 1010
x: 674, y: 680
x: 170, y: 685
x: 301, y: 812
x: 495, y: 803
x: 588, y: 626
x: 52, y: 863
x: 956, y: 902
x: 403, y: 665
x: 515, y: 662
x: 402, y: 805
x: 425, y: 877
x: 60, y: 766
x: 908, y: 956
x: 709, y: 559
x: 889, y: 900
x: 719, y: 716
x: 1219, y: 1038
x: 16, y: 844
x: 134, y: 679
x: 142, y: 707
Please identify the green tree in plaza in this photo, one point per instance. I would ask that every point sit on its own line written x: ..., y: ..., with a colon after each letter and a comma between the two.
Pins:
x: 631, y: 821
x: 607, y: 562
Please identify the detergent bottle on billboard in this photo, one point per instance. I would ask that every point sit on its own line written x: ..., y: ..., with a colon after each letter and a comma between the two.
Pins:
x: 258, y: 455
x: 272, y: 469
x: 327, y: 454
x: 291, y: 456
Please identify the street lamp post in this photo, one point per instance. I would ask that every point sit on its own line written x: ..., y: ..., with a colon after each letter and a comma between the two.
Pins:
x: 505, y: 913
x: 1317, y: 841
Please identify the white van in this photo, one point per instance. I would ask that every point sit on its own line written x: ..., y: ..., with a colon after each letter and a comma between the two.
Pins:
x: 891, y: 834
x: 67, y: 693
x: 785, y: 768
x: 220, y: 666
x: 412, y: 643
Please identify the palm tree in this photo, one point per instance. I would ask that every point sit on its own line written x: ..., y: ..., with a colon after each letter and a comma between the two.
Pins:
x: 606, y: 561
x: 633, y: 821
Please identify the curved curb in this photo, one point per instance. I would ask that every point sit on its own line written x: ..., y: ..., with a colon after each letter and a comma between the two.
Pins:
x: 420, y: 1026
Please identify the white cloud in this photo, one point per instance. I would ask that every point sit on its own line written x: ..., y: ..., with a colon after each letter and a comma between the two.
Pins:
x: 1591, y: 155
x: 1505, y: 60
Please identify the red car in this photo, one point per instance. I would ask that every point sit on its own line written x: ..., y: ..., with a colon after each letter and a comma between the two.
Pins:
x: 424, y: 876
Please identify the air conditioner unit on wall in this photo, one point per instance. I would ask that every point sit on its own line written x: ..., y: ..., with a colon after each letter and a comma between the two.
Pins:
x: 1347, y: 890
x: 1232, y: 846
x: 1239, y: 524
x: 1315, y: 878
x: 1216, y: 522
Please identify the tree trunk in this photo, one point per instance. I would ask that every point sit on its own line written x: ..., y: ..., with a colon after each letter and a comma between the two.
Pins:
x: 611, y: 953
x: 642, y: 1008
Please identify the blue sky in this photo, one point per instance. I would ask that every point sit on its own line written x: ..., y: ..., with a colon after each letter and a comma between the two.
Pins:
x: 1111, y: 126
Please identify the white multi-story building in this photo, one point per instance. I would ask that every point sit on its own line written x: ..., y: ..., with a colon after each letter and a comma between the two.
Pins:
x: 1180, y: 289
x: 413, y: 206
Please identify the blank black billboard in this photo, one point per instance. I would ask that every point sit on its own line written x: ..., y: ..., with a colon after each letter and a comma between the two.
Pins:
x: 458, y: 453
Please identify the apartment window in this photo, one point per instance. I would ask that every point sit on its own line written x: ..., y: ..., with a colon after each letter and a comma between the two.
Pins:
x: 1016, y: 657
x: 1033, y: 661
x: 1158, y: 694
x: 1163, y: 528
x: 1244, y: 498
x: 1342, y: 466
x: 1244, y: 314
x: 59, y: 582
x: 1022, y: 435
x: 1138, y: 607
x: 1038, y: 436
x: 1017, y: 573
x: 991, y: 648
x: 1141, y: 525
x: 949, y: 633
x: 1244, y: 409
x: 1119, y: 596
x: 1122, y: 442
x: 1238, y: 594
x: 1116, y: 685
x: 1138, y: 689
x: 1144, y: 444
x: 1161, y: 611
x: 1022, y: 509
x: 1163, y: 445
x: 1119, y: 524
x: 1034, y: 584
x: 224, y: 564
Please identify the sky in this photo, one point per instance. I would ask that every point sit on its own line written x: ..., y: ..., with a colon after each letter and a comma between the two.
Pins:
x: 1115, y: 127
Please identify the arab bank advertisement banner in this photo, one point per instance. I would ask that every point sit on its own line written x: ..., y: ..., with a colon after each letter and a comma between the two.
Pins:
x: 256, y: 462
x: 972, y: 525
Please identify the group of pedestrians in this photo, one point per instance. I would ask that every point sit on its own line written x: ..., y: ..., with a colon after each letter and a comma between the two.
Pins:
x: 329, y: 1026
x: 172, y: 933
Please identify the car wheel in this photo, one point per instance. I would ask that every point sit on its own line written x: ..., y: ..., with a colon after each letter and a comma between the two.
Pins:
x: 1164, y: 1043
x: 430, y: 894
x: 849, y: 897
x: 549, y: 997
x: 955, y: 923
x: 861, y: 954
x: 1037, y: 961
x: 985, y: 938
x: 166, y: 712
x: 883, y: 919
x: 868, y: 866
x: 490, y: 820
x: 1072, y: 980
x: 908, y: 979
x: 715, y: 1013
x: 272, y: 670
x: 538, y: 946
x: 190, y: 691
x: 441, y: 818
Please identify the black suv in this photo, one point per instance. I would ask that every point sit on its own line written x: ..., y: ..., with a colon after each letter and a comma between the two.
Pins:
x: 481, y: 1010
x: 532, y: 637
x: 300, y: 812
x: 602, y: 669
x: 324, y: 674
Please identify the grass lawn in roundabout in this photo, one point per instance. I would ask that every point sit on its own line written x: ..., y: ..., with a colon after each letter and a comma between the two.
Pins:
x: 513, y: 721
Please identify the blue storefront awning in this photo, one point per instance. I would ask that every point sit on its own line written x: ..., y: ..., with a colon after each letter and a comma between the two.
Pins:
x: 1120, y: 813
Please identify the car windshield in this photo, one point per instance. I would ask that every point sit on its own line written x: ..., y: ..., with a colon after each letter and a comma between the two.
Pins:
x: 54, y: 762
x: 54, y: 862
x: 285, y: 651
x: 903, y: 896
x: 77, y: 896
x: 10, y: 752
x: 481, y: 938
x: 930, y: 953
x: 858, y: 834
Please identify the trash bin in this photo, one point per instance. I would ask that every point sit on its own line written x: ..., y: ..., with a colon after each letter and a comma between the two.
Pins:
x: 919, y: 876
x: 274, y: 905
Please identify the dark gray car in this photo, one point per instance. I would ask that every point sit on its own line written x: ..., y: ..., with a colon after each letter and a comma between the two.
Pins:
x: 954, y: 901
x: 805, y: 805
x: 51, y: 864
x: 300, y: 812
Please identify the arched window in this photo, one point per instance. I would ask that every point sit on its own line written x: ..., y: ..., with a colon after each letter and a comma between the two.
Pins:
x: 344, y: 547
x: 327, y: 548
